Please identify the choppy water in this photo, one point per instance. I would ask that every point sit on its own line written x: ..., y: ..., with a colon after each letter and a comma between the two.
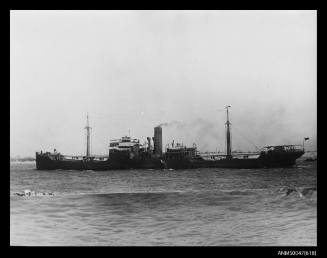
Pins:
x: 221, y: 207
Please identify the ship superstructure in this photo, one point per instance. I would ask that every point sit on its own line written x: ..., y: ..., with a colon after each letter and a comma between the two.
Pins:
x: 125, y: 144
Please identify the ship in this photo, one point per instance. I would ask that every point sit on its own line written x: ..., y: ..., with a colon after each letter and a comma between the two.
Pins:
x: 130, y: 153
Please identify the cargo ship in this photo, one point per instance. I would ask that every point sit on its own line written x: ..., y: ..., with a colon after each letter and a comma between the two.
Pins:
x: 128, y: 153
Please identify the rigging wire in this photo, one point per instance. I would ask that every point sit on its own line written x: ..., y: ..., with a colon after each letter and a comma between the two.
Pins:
x: 249, y: 141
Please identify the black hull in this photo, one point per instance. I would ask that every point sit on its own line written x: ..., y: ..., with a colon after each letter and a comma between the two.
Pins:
x: 263, y: 161
x: 44, y: 162
x: 232, y: 163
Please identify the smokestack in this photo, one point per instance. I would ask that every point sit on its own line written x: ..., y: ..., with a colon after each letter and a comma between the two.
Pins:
x: 157, y: 140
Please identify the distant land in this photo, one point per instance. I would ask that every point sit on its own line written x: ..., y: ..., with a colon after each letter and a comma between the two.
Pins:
x: 21, y: 159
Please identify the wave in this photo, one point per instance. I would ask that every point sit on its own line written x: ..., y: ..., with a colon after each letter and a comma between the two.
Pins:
x: 301, y: 191
x: 29, y: 193
x: 284, y: 191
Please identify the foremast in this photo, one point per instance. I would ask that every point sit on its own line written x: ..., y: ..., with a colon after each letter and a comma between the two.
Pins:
x: 88, y: 129
x: 228, y: 138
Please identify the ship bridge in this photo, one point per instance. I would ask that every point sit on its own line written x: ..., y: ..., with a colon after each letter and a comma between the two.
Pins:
x: 124, y: 143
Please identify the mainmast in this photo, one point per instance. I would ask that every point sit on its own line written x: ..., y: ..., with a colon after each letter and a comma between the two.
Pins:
x: 228, y: 139
x: 87, y: 127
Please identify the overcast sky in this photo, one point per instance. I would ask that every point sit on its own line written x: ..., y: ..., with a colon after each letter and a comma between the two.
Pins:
x: 132, y: 70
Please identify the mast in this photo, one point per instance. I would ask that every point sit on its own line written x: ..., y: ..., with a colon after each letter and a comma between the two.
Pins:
x: 228, y: 139
x: 87, y: 127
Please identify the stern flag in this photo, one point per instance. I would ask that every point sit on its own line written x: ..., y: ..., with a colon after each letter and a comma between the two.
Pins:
x: 306, y: 138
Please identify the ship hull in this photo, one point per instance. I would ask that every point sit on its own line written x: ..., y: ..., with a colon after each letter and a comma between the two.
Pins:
x: 263, y: 161
x: 46, y: 162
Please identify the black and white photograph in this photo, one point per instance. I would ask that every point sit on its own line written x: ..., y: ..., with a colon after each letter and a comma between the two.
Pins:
x: 163, y: 128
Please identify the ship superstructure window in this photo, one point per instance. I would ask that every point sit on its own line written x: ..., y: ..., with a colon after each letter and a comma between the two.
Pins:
x: 126, y: 139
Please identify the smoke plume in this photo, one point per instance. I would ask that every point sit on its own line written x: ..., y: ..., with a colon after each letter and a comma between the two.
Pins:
x: 174, y: 123
x: 207, y: 135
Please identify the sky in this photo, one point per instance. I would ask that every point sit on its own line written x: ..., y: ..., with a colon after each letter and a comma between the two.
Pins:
x: 133, y: 70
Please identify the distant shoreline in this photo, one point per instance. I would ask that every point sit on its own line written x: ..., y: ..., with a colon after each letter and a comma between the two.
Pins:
x: 21, y: 160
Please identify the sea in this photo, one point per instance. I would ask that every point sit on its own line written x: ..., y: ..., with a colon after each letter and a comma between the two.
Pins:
x: 197, y: 207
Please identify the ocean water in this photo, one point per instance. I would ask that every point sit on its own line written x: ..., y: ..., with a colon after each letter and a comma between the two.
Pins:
x: 202, y: 207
